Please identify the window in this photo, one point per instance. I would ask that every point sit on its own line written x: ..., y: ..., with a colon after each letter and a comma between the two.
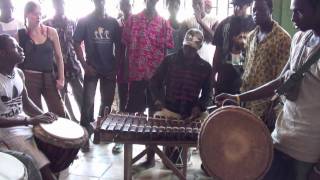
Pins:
x: 79, y: 8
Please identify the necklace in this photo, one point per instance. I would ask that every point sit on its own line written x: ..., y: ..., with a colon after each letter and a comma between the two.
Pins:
x: 11, y: 76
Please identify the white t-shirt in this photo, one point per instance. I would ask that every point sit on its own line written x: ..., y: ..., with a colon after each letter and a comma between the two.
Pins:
x: 297, y: 131
x: 11, y: 28
x: 11, y: 104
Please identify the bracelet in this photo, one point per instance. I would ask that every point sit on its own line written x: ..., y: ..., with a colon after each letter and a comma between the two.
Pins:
x: 238, y: 99
x: 26, y: 122
x: 316, y: 170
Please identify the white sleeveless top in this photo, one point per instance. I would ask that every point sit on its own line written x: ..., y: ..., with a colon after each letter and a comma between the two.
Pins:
x: 11, y: 104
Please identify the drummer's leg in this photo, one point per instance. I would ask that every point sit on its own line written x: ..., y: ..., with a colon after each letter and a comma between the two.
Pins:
x: 28, y: 146
x: 47, y: 173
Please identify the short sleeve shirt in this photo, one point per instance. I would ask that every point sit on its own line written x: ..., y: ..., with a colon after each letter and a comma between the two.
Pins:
x: 264, y: 62
x: 297, y: 128
x: 100, y: 37
x: 146, y: 42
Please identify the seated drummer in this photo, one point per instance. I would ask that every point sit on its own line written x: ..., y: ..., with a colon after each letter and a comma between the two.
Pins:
x: 15, y: 131
x: 179, y: 80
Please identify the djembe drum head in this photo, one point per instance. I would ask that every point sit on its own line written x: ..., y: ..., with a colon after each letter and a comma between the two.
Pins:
x: 60, y: 141
x: 64, y: 129
x: 11, y: 168
x: 235, y: 144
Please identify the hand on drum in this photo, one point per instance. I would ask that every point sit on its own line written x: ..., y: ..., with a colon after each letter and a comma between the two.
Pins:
x: 46, y: 118
x: 221, y: 98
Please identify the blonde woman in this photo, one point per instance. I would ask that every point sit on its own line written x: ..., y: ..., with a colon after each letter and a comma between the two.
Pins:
x: 43, y: 53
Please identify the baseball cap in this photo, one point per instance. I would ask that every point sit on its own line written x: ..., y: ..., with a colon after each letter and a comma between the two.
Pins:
x: 193, y: 38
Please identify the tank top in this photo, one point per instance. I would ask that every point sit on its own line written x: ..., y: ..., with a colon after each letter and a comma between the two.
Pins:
x: 11, y: 105
x: 39, y: 57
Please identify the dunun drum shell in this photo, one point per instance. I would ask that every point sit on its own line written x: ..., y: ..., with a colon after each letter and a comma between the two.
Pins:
x: 60, y: 142
x: 11, y: 168
x: 235, y: 144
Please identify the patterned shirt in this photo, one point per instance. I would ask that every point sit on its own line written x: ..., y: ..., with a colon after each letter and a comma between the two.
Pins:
x: 65, y: 29
x: 146, y: 43
x: 264, y: 62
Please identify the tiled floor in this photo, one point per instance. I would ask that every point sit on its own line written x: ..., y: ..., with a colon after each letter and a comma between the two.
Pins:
x: 101, y: 164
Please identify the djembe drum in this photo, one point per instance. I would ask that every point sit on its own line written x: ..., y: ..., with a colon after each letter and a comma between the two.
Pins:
x: 60, y: 142
x: 235, y: 144
x: 11, y: 168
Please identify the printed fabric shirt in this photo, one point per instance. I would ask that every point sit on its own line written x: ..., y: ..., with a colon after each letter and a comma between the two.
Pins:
x: 11, y: 105
x: 297, y: 128
x: 264, y: 62
x: 178, y: 82
x: 65, y: 28
x: 146, y: 43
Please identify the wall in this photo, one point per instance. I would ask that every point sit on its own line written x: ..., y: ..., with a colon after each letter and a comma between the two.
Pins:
x: 282, y: 14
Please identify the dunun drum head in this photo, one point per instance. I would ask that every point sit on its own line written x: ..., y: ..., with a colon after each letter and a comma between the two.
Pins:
x: 60, y: 142
x: 11, y: 168
x: 235, y: 144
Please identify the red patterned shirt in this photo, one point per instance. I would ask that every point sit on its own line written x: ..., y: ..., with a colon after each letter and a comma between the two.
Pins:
x: 146, y: 43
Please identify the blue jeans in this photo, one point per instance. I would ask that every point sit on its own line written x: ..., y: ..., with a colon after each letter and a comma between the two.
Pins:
x: 285, y: 167
x: 107, y: 89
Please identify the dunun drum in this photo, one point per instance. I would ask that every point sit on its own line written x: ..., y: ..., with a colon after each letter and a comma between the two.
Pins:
x: 235, y: 144
x: 60, y: 142
x: 11, y: 168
